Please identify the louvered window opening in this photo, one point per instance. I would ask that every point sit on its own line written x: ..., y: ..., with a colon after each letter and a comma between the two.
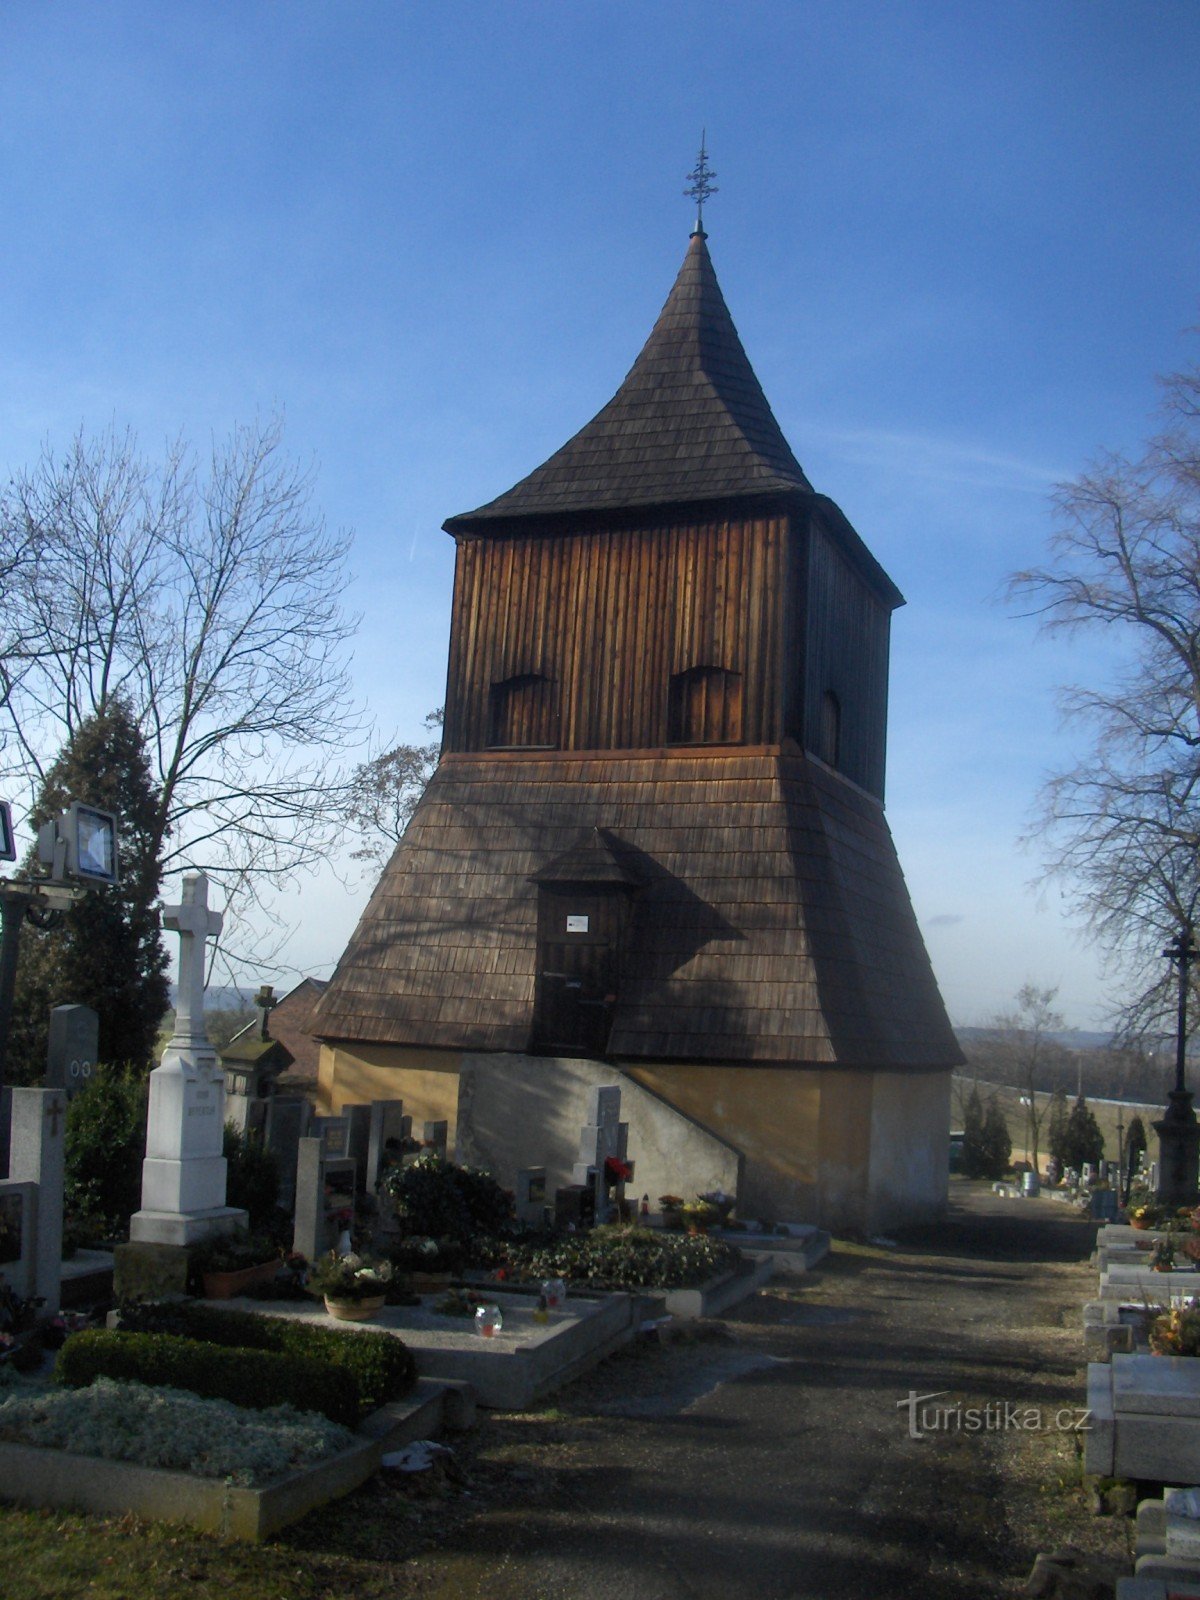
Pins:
x: 521, y: 714
x: 705, y: 707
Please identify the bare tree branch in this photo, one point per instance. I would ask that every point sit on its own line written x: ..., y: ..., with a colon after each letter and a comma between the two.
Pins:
x: 1122, y: 829
x: 210, y: 603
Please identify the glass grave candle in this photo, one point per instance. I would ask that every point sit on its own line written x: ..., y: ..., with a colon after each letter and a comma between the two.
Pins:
x: 488, y: 1321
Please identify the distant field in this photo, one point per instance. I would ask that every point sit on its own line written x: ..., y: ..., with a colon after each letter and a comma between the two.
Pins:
x: 1015, y: 1115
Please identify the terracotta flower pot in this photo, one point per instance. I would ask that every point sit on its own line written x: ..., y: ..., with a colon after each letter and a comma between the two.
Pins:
x: 224, y: 1285
x: 355, y: 1310
x: 1139, y: 1222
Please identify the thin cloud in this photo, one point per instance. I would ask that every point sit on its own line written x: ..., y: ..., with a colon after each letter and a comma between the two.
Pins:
x: 939, y: 460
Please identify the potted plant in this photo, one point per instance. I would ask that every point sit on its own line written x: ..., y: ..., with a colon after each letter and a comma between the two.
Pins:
x: 232, y: 1263
x: 1144, y: 1216
x: 1162, y: 1257
x: 671, y: 1206
x: 353, y: 1287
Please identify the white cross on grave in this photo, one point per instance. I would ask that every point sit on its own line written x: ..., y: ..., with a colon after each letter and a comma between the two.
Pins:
x: 603, y: 1135
x: 183, y: 1175
x: 195, y: 925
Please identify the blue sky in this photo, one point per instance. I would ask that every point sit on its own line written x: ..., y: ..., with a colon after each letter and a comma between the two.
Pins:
x: 958, y: 242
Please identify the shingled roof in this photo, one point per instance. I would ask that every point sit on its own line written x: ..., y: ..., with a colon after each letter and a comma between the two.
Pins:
x: 771, y: 925
x: 690, y: 422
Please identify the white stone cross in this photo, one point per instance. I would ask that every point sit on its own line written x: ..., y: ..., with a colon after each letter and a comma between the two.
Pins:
x: 195, y: 924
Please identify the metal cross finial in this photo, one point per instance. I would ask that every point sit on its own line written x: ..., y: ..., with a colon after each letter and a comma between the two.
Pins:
x: 700, y: 184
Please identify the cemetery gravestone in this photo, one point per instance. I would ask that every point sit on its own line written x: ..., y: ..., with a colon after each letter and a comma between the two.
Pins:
x: 530, y: 1196
x: 73, y: 1048
x: 603, y: 1135
x: 39, y: 1127
x: 287, y: 1124
x: 184, y: 1173
x: 310, y: 1236
x: 389, y: 1128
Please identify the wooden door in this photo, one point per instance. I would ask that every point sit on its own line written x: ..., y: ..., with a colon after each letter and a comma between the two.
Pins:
x: 578, y: 951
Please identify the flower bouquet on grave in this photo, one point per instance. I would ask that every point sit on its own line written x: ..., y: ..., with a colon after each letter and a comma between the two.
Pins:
x: 723, y: 1202
x: 699, y: 1215
x: 353, y: 1287
x: 1177, y: 1331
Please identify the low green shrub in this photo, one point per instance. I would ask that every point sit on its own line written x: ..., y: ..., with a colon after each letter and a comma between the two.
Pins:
x: 624, y: 1257
x: 381, y: 1365
x: 257, y: 1379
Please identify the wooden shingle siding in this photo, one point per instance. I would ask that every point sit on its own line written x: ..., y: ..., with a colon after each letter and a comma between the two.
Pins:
x: 772, y: 925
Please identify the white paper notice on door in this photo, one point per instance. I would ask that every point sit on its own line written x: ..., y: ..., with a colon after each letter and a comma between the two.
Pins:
x: 577, y: 924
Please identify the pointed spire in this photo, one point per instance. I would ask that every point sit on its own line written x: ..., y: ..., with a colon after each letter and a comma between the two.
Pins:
x: 690, y: 422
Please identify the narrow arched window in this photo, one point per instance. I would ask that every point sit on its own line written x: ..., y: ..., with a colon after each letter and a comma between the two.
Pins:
x: 705, y: 707
x: 830, y: 746
x: 521, y: 713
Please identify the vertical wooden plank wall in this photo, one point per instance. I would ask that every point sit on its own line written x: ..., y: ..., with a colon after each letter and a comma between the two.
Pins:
x: 846, y: 652
x: 608, y: 618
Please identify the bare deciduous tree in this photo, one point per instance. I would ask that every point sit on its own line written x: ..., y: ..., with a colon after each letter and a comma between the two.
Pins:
x: 1023, y: 1043
x: 1122, y: 828
x: 210, y: 602
x: 383, y: 794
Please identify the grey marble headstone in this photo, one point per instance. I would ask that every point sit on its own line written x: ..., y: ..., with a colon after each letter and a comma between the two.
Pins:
x: 358, y: 1144
x: 436, y: 1135
x: 530, y: 1196
x: 73, y: 1048
x: 603, y: 1135
x: 311, y: 1233
x: 39, y: 1130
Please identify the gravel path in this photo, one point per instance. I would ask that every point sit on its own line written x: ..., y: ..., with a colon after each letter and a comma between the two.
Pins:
x: 770, y: 1455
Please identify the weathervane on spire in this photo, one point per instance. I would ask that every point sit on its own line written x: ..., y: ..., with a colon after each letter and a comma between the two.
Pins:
x: 700, y: 184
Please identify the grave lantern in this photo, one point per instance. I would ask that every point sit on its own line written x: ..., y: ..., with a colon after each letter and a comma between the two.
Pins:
x: 80, y: 848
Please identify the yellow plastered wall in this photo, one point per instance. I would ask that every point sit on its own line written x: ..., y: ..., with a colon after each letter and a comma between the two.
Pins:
x: 771, y: 1115
x: 425, y: 1080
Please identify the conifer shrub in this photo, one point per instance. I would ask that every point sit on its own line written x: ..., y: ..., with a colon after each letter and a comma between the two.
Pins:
x: 437, y: 1199
x: 257, y: 1379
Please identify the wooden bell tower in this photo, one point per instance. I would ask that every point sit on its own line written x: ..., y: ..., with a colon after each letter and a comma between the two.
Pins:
x: 656, y: 840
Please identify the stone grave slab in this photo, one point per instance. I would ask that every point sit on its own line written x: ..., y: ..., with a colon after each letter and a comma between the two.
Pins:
x: 1157, y: 1385
x: 524, y: 1361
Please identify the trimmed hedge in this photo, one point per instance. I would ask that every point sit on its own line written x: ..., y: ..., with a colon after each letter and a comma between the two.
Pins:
x: 257, y: 1379
x: 381, y: 1365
